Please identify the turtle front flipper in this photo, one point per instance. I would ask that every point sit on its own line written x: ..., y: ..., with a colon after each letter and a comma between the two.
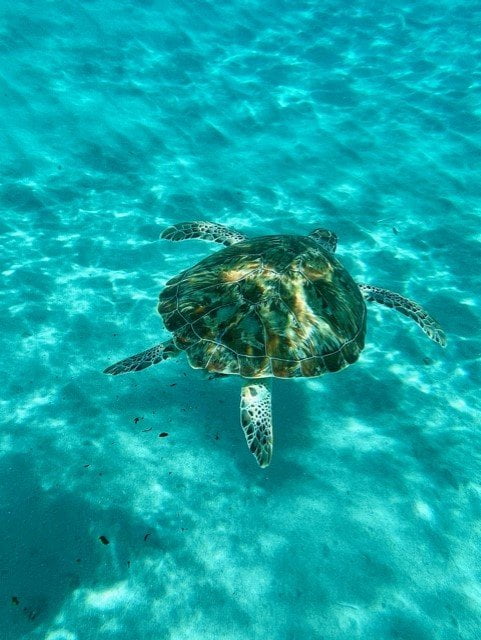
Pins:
x: 409, y: 308
x: 145, y: 359
x: 256, y: 419
x: 203, y: 231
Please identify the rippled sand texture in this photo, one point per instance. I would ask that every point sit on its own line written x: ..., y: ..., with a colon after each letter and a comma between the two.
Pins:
x: 119, y: 119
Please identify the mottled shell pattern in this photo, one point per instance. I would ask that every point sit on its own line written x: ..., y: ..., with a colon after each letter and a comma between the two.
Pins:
x: 278, y: 306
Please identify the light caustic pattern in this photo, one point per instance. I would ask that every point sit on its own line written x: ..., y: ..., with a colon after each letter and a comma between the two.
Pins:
x: 120, y: 119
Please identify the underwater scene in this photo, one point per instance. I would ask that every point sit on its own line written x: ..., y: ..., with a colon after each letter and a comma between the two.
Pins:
x: 131, y: 505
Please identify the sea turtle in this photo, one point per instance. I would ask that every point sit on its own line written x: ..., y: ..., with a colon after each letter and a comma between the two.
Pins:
x: 273, y: 306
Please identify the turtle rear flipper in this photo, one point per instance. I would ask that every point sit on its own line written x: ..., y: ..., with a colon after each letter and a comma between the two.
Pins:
x: 256, y: 419
x: 202, y: 231
x: 409, y: 308
x: 145, y: 359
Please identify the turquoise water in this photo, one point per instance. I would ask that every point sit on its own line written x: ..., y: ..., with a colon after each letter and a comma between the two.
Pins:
x: 119, y: 119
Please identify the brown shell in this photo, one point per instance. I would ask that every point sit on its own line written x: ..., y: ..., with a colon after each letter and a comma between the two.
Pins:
x: 272, y: 306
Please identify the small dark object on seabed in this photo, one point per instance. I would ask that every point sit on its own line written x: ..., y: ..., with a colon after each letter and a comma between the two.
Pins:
x: 163, y: 434
x: 103, y: 540
x: 15, y: 600
x: 146, y: 536
x: 30, y: 613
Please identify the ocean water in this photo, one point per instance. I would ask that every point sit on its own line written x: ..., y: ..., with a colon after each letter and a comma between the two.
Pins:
x: 121, y: 118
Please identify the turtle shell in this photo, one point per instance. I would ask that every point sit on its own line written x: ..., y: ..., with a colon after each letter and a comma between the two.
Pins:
x: 272, y: 306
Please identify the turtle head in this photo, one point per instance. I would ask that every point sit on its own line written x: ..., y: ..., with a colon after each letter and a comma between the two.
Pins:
x: 327, y: 239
